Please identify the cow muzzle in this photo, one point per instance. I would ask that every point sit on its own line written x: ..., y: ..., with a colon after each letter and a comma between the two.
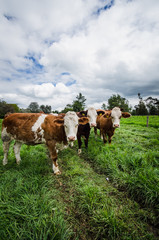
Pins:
x: 93, y: 124
x: 71, y: 138
x: 116, y: 125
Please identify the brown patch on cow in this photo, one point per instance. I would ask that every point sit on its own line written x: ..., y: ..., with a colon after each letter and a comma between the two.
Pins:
x: 126, y: 115
x: 83, y: 120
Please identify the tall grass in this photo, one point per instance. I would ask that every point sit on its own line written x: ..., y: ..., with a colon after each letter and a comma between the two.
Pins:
x: 109, y: 192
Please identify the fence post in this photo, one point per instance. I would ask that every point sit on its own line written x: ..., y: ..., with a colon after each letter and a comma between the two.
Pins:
x: 147, y: 121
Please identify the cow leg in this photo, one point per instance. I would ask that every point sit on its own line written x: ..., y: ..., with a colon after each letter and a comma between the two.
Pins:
x: 79, y: 144
x: 53, y: 154
x: 95, y: 131
x: 104, y: 137
x: 5, y: 150
x: 101, y: 134
x: 109, y: 138
x: 17, y: 147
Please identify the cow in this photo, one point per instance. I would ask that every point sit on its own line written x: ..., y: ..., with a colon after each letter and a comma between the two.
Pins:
x: 100, y: 112
x: 109, y: 121
x: 84, y: 130
x: 37, y: 128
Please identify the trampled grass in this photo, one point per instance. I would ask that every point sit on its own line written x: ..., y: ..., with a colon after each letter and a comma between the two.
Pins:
x: 109, y: 192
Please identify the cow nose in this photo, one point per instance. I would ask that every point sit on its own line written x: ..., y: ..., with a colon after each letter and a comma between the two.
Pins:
x: 93, y: 124
x: 116, y: 125
x: 71, y: 138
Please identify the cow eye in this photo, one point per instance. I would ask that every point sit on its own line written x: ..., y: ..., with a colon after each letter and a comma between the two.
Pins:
x: 65, y: 126
x: 76, y: 125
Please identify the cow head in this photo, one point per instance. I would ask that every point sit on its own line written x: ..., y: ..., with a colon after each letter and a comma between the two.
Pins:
x: 70, y: 123
x: 91, y: 114
x: 116, y: 115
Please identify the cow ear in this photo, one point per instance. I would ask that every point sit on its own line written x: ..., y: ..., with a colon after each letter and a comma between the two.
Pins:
x: 59, y: 122
x: 126, y: 115
x: 101, y: 112
x: 83, y: 120
x: 83, y: 113
x: 107, y: 115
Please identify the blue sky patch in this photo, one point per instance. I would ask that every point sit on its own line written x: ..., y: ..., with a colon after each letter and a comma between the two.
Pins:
x: 65, y: 73
x: 106, y: 7
x: 37, y: 65
x: 9, y: 18
x: 69, y: 83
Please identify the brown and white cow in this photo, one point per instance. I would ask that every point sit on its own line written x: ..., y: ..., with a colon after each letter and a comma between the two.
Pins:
x: 84, y: 130
x: 36, y: 128
x: 109, y: 121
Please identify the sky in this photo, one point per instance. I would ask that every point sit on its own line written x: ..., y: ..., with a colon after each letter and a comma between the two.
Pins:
x: 52, y: 50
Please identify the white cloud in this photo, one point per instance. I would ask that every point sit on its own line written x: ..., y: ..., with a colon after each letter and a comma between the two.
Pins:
x: 52, y: 50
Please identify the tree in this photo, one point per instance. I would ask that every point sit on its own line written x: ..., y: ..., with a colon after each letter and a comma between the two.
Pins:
x: 33, y: 107
x: 79, y: 104
x: 153, y: 105
x: 15, y: 107
x: 141, y: 107
x: 45, y: 109
x: 104, y: 107
x: 118, y: 101
x: 68, y: 107
x: 5, y: 108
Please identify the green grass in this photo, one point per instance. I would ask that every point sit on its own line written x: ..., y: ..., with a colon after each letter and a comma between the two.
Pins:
x: 108, y: 192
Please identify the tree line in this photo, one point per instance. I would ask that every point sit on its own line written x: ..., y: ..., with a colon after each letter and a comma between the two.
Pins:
x: 149, y: 106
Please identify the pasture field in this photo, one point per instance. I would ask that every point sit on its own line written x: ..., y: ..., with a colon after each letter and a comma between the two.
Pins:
x: 108, y: 192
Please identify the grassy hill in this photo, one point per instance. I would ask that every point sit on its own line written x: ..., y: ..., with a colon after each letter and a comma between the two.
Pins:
x: 108, y: 192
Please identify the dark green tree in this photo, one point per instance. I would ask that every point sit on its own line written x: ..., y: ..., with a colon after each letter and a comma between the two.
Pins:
x: 33, y: 107
x: 15, y: 107
x: 79, y: 104
x: 118, y: 101
x: 141, y: 107
x: 5, y: 108
x: 68, y: 107
x: 45, y: 109
x: 153, y: 105
x: 104, y: 107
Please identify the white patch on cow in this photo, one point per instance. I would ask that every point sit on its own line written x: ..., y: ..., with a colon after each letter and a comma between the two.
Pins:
x: 55, y: 169
x: 37, y: 126
x: 92, y: 115
x: 4, y: 132
x: 71, y: 125
x: 5, y: 150
x: 5, y: 135
x: 54, y: 114
x: 17, y: 147
x: 116, y: 115
x: 79, y: 151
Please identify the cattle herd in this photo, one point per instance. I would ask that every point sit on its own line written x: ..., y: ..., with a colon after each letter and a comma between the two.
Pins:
x: 37, y: 128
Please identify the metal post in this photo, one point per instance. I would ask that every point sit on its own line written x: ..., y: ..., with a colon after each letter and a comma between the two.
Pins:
x: 147, y: 121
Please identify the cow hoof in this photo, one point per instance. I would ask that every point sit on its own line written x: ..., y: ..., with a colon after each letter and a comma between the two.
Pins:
x: 18, y: 162
x: 57, y: 173
x: 79, y: 151
x: 4, y: 163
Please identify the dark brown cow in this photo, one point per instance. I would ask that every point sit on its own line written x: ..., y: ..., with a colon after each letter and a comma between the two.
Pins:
x: 36, y: 128
x: 84, y: 130
x: 109, y: 121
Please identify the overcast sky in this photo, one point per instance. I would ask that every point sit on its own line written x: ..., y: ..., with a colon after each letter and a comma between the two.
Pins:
x: 52, y: 50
